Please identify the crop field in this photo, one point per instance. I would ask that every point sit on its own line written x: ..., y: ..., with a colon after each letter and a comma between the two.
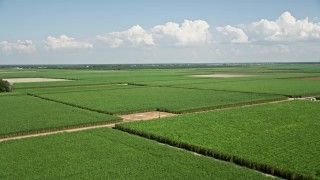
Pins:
x: 108, y: 154
x: 141, y: 99
x: 238, y: 117
x: 84, y: 77
x: 25, y: 114
x: 288, y: 87
x: 280, y: 138
x: 143, y: 76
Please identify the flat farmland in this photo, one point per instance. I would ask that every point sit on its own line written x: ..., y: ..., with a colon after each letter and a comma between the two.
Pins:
x: 86, y: 77
x: 25, y: 114
x: 141, y: 99
x: 287, y: 87
x: 280, y: 138
x: 108, y: 154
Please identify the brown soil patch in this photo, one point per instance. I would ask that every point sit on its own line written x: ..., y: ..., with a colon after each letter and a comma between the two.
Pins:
x: 223, y: 75
x: 145, y: 116
x: 311, y: 79
x: 26, y: 80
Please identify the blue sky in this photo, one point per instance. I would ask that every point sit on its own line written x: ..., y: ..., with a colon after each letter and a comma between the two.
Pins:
x: 168, y: 31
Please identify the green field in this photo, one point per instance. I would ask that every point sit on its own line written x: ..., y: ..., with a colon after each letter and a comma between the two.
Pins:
x: 288, y: 87
x: 85, y: 77
x: 140, y: 99
x: 108, y: 154
x: 280, y: 137
x: 25, y: 114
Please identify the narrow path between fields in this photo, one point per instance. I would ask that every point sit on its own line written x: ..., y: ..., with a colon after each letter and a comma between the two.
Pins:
x: 125, y: 118
x: 151, y: 115
x: 57, y: 131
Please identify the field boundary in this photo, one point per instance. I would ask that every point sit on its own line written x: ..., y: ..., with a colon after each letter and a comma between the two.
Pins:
x: 114, y: 123
x: 164, y: 109
x: 221, y: 107
x: 47, y: 131
x: 70, y: 104
x: 222, y: 90
x: 73, y: 128
x: 216, y: 155
x: 226, y: 90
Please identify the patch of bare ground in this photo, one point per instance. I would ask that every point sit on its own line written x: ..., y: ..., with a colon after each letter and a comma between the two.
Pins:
x: 145, y: 116
x: 310, y: 79
x: 223, y: 75
x: 27, y: 80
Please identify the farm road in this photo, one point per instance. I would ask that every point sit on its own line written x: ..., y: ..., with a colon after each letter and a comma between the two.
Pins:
x: 125, y: 118
x: 134, y: 117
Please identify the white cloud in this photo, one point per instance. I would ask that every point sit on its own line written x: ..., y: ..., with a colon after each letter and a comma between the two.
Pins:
x: 233, y: 34
x: 64, y: 41
x: 26, y: 46
x: 6, y: 47
x: 188, y: 33
x: 285, y: 28
x: 136, y: 35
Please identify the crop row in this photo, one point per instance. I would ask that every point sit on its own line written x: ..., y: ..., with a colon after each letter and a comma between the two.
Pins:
x: 141, y: 99
x: 217, y: 155
x: 70, y: 104
x: 287, y: 87
x: 23, y: 115
x: 280, y: 139
x: 108, y: 154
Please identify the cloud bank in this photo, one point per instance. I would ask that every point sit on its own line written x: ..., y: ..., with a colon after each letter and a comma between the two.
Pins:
x: 285, y: 37
x: 64, y: 41
x: 135, y: 36
x: 233, y: 34
x: 286, y: 28
x: 189, y: 33
x: 20, y: 46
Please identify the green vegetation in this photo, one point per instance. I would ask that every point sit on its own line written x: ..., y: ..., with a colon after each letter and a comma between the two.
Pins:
x: 108, y: 154
x: 140, y: 99
x: 85, y: 77
x: 24, y: 115
x: 5, y: 86
x: 281, y: 139
x: 288, y: 87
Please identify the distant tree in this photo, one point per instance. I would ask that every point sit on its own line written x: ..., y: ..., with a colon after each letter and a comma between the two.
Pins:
x: 5, y: 86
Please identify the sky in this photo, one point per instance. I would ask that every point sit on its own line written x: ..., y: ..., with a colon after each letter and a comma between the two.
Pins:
x: 167, y: 31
